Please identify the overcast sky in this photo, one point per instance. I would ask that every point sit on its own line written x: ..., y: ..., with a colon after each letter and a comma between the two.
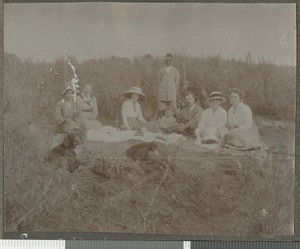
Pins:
x: 93, y: 30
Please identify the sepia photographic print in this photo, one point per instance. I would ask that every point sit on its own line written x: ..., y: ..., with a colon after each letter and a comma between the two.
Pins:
x: 149, y: 118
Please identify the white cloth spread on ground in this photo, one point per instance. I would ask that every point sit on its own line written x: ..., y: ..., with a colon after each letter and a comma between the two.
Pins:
x: 111, y: 134
x: 255, y: 145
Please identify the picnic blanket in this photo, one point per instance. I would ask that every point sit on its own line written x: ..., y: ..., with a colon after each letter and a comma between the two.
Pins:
x: 255, y: 145
x: 110, y: 134
x: 258, y: 145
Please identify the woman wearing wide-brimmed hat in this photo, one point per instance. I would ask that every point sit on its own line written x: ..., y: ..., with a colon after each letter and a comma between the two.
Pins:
x: 67, y: 110
x: 131, y: 112
x: 214, y: 119
x: 243, y: 133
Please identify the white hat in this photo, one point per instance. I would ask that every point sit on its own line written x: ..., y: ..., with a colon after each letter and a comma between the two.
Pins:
x: 216, y: 95
x: 136, y: 90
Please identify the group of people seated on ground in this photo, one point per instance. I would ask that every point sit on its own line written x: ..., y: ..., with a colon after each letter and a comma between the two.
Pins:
x: 236, y: 129
x: 76, y: 111
x: 212, y: 125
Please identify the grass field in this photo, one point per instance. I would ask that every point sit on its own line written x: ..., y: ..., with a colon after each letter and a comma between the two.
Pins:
x: 201, y: 192
x: 198, y: 192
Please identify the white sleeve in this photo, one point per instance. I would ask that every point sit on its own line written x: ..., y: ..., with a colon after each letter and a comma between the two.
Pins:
x: 223, y: 119
x: 124, y: 113
x: 229, y: 117
x: 95, y: 108
x: 139, y: 112
x: 203, y: 119
x: 247, y: 121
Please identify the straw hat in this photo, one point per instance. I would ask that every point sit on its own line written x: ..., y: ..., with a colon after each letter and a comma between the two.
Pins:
x: 69, y: 86
x: 136, y: 90
x: 216, y: 95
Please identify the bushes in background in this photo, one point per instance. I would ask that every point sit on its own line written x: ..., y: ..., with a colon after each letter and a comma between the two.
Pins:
x: 270, y: 89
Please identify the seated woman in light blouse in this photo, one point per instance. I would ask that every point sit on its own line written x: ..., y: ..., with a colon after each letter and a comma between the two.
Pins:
x: 67, y: 112
x: 131, y: 112
x: 89, y: 108
x: 213, y: 123
x: 242, y: 130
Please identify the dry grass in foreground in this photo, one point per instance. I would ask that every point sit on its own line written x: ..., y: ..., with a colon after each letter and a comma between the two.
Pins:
x: 223, y: 192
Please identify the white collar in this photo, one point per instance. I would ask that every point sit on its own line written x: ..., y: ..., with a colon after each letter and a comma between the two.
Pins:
x: 234, y: 109
x: 238, y: 106
x: 216, y: 109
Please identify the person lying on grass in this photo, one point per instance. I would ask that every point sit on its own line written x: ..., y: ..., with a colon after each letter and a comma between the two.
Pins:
x: 131, y: 112
x: 213, y: 122
x: 67, y: 111
x: 242, y: 130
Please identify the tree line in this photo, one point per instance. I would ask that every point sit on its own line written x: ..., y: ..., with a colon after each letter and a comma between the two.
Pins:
x: 32, y: 88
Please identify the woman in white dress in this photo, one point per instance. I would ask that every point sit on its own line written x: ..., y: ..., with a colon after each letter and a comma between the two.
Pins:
x: 242, y: 130
x: 89, y: 108
x: 131, y: 112
x: 212, y: 125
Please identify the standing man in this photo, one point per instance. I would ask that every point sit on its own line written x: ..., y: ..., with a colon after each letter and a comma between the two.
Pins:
x: 168, y: 82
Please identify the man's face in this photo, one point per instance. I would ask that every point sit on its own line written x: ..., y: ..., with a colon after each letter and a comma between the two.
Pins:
x: 189, y: 99
x: 204, y: 94
x: 168, y: 61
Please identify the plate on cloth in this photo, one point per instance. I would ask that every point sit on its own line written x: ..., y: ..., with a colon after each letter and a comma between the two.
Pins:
x: 209, y: 141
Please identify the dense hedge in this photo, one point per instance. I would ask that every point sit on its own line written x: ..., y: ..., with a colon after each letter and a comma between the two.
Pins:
x: 36, y: 85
